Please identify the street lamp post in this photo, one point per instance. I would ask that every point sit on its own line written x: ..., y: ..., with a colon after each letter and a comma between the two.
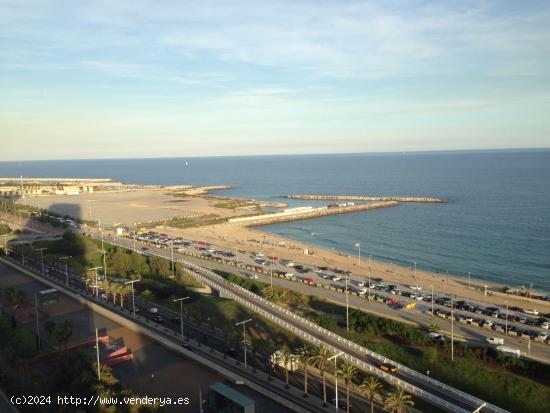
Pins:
x: 42, y: 257
x: 347, y: 304
x: 432, y: 299
x: 358, y: 246
x: 335, y: 357
x: 506, y: 322
x: 96, y: 286
x: 66, y: 259
x: 452, y: 329
x: 181, y: 300
x: 244, y: 336
x: 37, y: 325
x: 415, y: 270
x: 133, y: 297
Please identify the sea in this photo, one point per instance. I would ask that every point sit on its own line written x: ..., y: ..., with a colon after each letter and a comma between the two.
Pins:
x: 496, y: 224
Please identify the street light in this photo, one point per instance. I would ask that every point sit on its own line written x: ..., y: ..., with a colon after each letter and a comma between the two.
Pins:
x: 432, y: 299
x: 452, y: 329
x: 66, y: 259
x: 133, y: 298
x: 335, y: 357
x: 42, y: 257
x: 96, y: 289
x: 506, y: 325
x: 347, y: 304
x: 244, y: 336
x: 358, y: 246
x: 181, y: 300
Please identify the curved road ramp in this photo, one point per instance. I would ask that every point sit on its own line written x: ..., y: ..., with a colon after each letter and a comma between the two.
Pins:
x: 420, y: 385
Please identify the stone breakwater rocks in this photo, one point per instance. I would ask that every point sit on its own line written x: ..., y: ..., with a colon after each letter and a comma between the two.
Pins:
x: 366, y: 198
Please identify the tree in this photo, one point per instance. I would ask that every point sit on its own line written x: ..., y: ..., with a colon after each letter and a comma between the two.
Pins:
x: 347, y: 371
x: 49, y: 327
x: 63, y: 332
x: 370, y: 387
x: 398, y: 402
x: 285, y: 357
x: 305, y: 355
x: 147, y: 295
x: 321, y: 357
x: 9, y: 296
x: 21, y: 297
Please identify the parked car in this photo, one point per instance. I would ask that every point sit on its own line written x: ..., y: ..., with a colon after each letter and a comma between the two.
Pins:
x: 531, y: 311
x: 545, y: 325
x: 437, y: 337
x: 415, y: 287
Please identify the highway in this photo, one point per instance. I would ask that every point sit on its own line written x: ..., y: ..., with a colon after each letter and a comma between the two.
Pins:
x: 413, y: 382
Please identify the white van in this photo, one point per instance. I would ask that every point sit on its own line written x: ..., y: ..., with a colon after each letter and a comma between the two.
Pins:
x: 495, y: 340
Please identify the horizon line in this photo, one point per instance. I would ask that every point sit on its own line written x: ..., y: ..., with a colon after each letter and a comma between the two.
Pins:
x: 402, y: 152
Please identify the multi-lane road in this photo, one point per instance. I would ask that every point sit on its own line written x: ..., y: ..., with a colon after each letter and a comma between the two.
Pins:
x: 416, y: 383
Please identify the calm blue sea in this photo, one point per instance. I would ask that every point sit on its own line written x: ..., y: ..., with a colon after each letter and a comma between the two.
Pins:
x: 496, y: 224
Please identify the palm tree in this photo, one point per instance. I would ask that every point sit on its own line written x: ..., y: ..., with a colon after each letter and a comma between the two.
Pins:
x: 347, y: 371
x: 321, y: 357
x: 398, y: 402
x: 115, y: 289
x: 64, y: 332
x: 147, y: 295
x: 21, y: 297
x: 9, y: 296
x: 269, y: 348
x: 124, y: 290
x: 370, y: 387
x: 49, y: 327
x: 305, y: 355
x: 285, y: 357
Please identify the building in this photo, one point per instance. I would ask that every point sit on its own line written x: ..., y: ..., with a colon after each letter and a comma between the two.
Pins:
x: 224, y: 399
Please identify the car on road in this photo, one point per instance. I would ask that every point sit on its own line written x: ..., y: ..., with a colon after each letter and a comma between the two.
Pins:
x: 153, y: 310
x: 499, y: 341
x: 531, y: 311
x: 158, y: 319
x: 415, y: 287
x: 252, y: 276
x: 437, y: 337
x: 387, y: 367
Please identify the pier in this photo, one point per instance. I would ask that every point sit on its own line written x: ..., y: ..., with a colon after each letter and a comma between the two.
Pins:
x: 295, y: 214
x: 366, y: 198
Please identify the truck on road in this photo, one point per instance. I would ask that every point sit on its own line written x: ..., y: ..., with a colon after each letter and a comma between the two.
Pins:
x: 510, y: 351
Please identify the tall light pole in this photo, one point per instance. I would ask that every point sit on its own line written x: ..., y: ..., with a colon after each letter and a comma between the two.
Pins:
x: 347, y: 304
x: 42, y: 257
x: 37, y: 325
x: 432, y: 299
x: 272, y: 258
x: 452, y: 329
x: 415, y: 270
x: 6, y: 244
x: 102, y: 249
x: 469, y: 278
x: 358, y: 246
x: 506, y: 325
x: 96, y: 287
x: 66, y: 259
x: 181, y: 300
x: 335, y: 357
x: 133, y: 298
x: 173, y: 263
x: 244, y: 336
x: 97, y: 354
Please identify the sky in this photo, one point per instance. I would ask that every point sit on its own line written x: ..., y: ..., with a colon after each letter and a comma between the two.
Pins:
x: 118, y: 79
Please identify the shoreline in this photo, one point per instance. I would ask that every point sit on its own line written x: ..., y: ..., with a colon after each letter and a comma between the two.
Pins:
x: 252, y: 240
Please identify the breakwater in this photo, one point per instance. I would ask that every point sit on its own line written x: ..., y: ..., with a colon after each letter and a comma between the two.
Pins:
x: 366, y: 198
x: 307, y: 212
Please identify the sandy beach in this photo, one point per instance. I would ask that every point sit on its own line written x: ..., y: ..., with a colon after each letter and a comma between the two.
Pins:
x: 254, y: 240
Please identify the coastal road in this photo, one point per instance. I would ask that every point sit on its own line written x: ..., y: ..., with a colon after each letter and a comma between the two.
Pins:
x: 473, y: 334
x: 413, y: 382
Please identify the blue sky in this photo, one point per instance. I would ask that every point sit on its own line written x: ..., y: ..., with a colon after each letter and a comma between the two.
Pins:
x: 104, y: 79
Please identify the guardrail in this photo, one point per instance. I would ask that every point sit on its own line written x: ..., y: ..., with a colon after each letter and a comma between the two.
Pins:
x: 459, y: 395
x: 473, y: 401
